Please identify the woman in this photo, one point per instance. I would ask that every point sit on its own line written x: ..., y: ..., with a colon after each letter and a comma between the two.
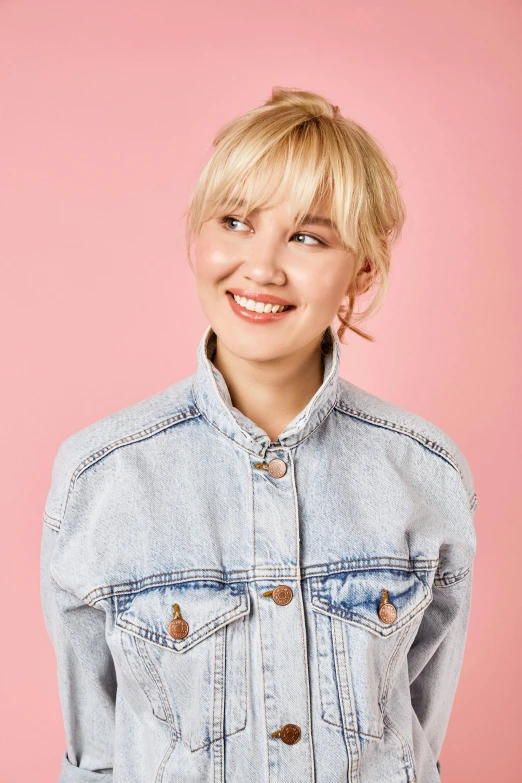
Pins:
x: 263, y: 572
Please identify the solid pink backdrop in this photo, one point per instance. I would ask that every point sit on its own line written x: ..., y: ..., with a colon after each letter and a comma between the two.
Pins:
x: 107, y: 114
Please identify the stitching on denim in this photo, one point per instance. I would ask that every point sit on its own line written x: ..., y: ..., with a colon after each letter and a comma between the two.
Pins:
x: 253, y: 515
x: 141, y: 689
x: 124, y: 599
x: 320, y: 676
x: 367, y: 623
x: 215, y: 693
x: 407, y: 754
x: 432, y: 445
x: 225, y: 645
x: 162, y: 580
x: 163, y: 642
x: 307, y: 687
x: 267, y: 732
x: 244, y: 639
x: 126, y: 655
x: 233, y: 577
x: 142, y: 434
x: 283, y: 445
x: 436, y: 448
x: 51, y: 522
x: 410, y: 632
x: 318, y: 670
x: 425, y: 441
x: 361, y: 564
x: 168, y: 753
x: 246, y: 678
x: 318, y: 601
x: 153, y: 670
x: 401, y: 740
x: 319, y: 423
x: 449, y: 579
x: 354, y: 757
x: 232, y: 440
x: 154, y: 674
x: 94, y: 457
x: 391, y: 666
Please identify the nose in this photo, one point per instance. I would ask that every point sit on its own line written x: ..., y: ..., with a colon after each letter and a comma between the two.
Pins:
x: 264, y: 264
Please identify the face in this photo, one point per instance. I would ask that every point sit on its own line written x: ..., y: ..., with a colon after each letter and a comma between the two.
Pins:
x: 268, y: 258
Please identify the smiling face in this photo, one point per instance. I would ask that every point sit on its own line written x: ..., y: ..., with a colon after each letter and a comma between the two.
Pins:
x: 267, y: 253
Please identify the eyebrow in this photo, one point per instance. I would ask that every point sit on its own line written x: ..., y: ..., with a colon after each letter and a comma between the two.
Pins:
x: 307, y: 220
x: 316, y: 220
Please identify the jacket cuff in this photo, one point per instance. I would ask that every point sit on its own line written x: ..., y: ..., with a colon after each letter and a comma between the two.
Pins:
x: 71, y: 774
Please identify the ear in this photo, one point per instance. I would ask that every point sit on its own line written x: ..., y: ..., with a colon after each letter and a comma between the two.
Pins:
x: 363, y: 279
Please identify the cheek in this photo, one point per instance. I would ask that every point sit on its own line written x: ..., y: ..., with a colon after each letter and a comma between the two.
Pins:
x: 211, y: 260
x: 326, y: 285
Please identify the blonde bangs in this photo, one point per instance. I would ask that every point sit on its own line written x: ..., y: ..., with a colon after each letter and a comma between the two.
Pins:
x: 304, y: 163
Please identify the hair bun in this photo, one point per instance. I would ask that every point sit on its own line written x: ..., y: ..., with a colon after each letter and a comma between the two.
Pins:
x: 311, y: 104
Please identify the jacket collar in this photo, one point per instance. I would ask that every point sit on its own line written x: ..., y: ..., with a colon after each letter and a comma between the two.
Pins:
x: 213, y: 399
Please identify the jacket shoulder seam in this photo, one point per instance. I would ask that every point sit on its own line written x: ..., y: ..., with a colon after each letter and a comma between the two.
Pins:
x: 428, y: 443
x: 142, y: 434
x: 391, y: 425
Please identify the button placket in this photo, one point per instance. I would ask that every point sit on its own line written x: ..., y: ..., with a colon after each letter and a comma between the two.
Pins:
x: 277, y: 528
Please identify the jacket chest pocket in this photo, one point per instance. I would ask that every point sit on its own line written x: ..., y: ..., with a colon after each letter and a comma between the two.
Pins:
x: 357, y: 651
x: 191, y: 662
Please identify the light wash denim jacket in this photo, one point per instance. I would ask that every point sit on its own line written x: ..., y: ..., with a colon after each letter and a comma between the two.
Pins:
x: 226, y: 608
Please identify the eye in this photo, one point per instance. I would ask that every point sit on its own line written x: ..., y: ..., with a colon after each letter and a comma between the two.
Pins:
x: 227, y: 218
x: 309, y: 237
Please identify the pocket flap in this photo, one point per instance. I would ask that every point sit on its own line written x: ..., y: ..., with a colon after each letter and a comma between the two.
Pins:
x: 355, y: 596
x: 204, y: 605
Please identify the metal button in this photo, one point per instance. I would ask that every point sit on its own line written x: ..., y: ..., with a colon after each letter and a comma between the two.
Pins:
x: 277, y: 467
x: 289, y: 733
x: 178, y: 627
x: 387, y: 611
x: 282, y: 594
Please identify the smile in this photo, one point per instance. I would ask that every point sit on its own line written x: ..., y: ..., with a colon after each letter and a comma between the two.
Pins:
x: 250, y: 312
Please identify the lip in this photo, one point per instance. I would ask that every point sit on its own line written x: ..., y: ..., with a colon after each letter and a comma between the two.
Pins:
x: 257, y: 297
x: 254, y: 317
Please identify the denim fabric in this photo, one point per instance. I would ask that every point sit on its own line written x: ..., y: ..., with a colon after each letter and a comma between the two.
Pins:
x: 169, y: 503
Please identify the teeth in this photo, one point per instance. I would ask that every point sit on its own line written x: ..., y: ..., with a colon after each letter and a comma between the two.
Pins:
x: 259, y: 307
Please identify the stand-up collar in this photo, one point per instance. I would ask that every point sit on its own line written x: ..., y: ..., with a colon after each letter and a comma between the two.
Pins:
x: 213, y: 398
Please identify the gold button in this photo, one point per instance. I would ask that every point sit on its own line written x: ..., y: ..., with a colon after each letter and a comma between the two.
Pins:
x: 277, y: 467
x: 387, y: 611
x: 289, y: 733
x: 282, y: 595
x: 178, y: 627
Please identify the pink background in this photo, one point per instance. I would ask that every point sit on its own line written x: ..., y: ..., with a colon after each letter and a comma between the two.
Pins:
x: 107, y: 113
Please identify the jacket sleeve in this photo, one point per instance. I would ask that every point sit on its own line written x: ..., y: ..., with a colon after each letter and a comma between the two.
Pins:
x: 85, y: 674
x: 435, y: 659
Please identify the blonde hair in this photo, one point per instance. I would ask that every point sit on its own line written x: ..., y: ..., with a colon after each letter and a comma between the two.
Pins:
x: 299, y: 138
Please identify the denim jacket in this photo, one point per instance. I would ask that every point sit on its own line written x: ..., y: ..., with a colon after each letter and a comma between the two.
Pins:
x: 227, y: 608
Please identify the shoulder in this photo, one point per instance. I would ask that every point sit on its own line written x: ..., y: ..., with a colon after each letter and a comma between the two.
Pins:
x: 374, y: 411
x: 139, y: 421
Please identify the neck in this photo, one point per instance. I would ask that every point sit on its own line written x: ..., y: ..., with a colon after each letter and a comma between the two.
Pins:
x: 271, y: 393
